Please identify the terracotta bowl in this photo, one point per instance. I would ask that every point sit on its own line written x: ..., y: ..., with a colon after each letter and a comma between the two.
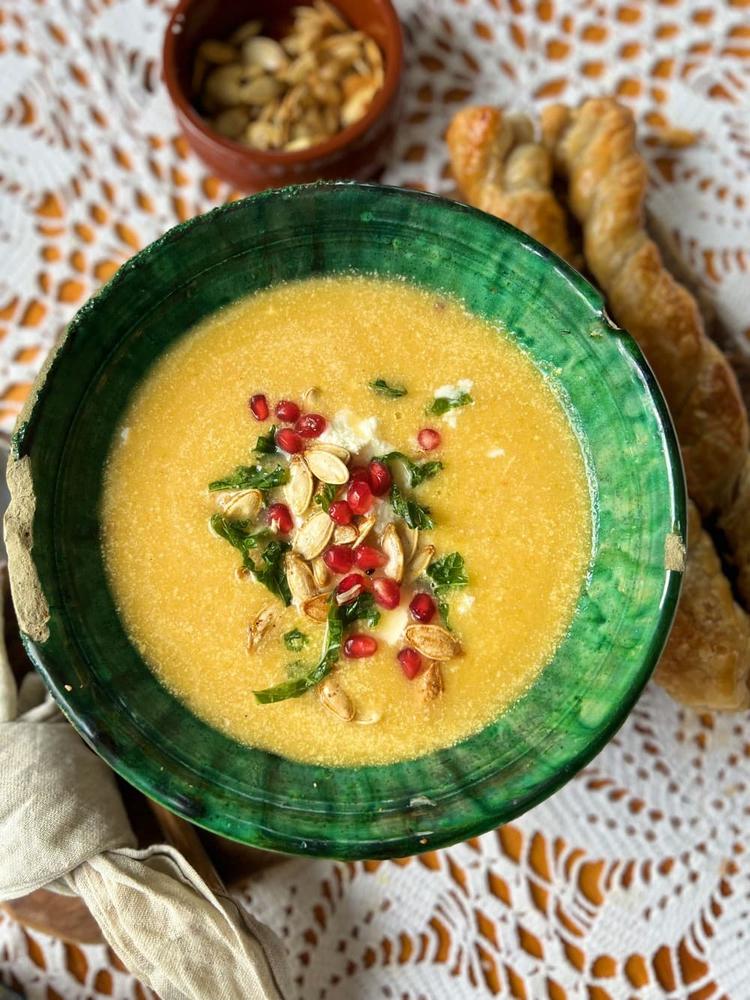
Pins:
x: 357, y: 152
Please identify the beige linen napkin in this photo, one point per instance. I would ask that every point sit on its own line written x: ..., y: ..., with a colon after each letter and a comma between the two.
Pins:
x: 63, y: 827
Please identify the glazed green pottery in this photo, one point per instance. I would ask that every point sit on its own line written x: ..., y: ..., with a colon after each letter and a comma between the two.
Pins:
x: 626, y: 604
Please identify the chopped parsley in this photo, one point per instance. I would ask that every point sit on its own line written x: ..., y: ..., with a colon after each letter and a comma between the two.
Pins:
x: 325, y: 497
x: 295, y: 640
x: 446, y: 574
x: 415, y: 515
x: 441, y: 404
x: 239, y: 534
x: 252, y: 477
x: 266, y: 443
x: 269, y: 570
x: 361, y: 609
x: 383, y: 388
x: 418, y: 472
x: 302, y: 682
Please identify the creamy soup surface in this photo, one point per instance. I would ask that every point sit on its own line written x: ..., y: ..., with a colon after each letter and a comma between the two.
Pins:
x: 512, y: 499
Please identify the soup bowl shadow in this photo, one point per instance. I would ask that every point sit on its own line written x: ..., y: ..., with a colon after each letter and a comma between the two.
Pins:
x: 626, y: 604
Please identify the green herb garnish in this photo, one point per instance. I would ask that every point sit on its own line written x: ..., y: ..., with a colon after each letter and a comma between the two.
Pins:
x: 295, y: 640
x: 325, y: 497
x: 419, y: 472
x: 252, y: 477
x: 239, y: 534
x: 383, y: 388
x: 443, y: 611
x: 296, y: 686
x: 415, y: 515
x: 297, y: 669
x: 441, y: 404
x: 361, y: 609
x: 266, y: 443
x: 446, y: 574
x: 269, y: 570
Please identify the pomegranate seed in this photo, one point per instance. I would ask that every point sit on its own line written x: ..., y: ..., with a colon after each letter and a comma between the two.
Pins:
x: 422, y: 608
x: 339, y: 558
x: 354, y: 582
x: 380, y: 478
x: 287, y: 411
x: 280, y: 517
x: 340, y: 512
x: 386, y: 592
x: 357, y: 647
x: 358, y: 473
x: 411, y: 662
x: 428, y: 439
x: 311, y: 425
x: 359, y: 496
x: 289, y: 441
x: 366, y: 557
x: 259, y: 407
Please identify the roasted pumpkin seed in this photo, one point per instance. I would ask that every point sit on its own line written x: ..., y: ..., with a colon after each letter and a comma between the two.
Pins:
x: 336, y: 700
x: 316, y: 608
x: 314, y: 535
x: 393, y: 550
x: 320, y: 573
x: 422, y: 559
x: 299, y: 489
x: 299, y: 577
x: 264, y: 52
x: 333, y: 449
x: 364, y: 528
x: 261, y: 625
x: 345, y: 534
x: 240, y: 505
x: 328, y: 468
x: 432, y: 641
x: 430, y: 682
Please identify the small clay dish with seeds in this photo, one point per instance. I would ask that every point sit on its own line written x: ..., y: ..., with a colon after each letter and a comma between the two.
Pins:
x: 268, y: 94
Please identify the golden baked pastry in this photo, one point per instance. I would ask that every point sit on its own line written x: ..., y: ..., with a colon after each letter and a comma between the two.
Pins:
x: 500, y: 169
x: 594, y: 145
x: 706, y: 662
x: 707, y: 659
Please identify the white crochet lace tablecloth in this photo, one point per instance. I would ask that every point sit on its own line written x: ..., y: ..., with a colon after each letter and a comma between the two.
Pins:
x: 634, y: 880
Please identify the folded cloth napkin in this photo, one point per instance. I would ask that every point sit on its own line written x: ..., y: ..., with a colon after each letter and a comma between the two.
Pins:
x: 63, y: 827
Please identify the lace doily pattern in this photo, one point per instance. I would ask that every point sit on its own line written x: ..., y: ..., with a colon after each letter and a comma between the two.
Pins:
x: 633, y: 881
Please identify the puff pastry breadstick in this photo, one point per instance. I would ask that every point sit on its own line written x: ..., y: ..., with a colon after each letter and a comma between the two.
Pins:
x: 500, y: 169
x: 706, y: 662
x: 707, y: 659
x: 595, y: 146
x: 734, y: 523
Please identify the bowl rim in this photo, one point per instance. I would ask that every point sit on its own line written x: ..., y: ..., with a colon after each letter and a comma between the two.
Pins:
x: 336, y: 144
x: 406, y: 843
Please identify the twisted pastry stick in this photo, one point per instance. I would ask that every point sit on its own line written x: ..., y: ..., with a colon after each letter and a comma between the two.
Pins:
x: 595, y: 146
x: 706, y: 662
x: 707, y: 659
x: 501, y: 170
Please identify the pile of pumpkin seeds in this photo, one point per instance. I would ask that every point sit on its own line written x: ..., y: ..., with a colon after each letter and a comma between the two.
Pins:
x: 293, y: 93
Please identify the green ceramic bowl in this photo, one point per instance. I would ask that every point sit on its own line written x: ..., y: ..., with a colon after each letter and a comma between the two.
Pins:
x: 624, y: 612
